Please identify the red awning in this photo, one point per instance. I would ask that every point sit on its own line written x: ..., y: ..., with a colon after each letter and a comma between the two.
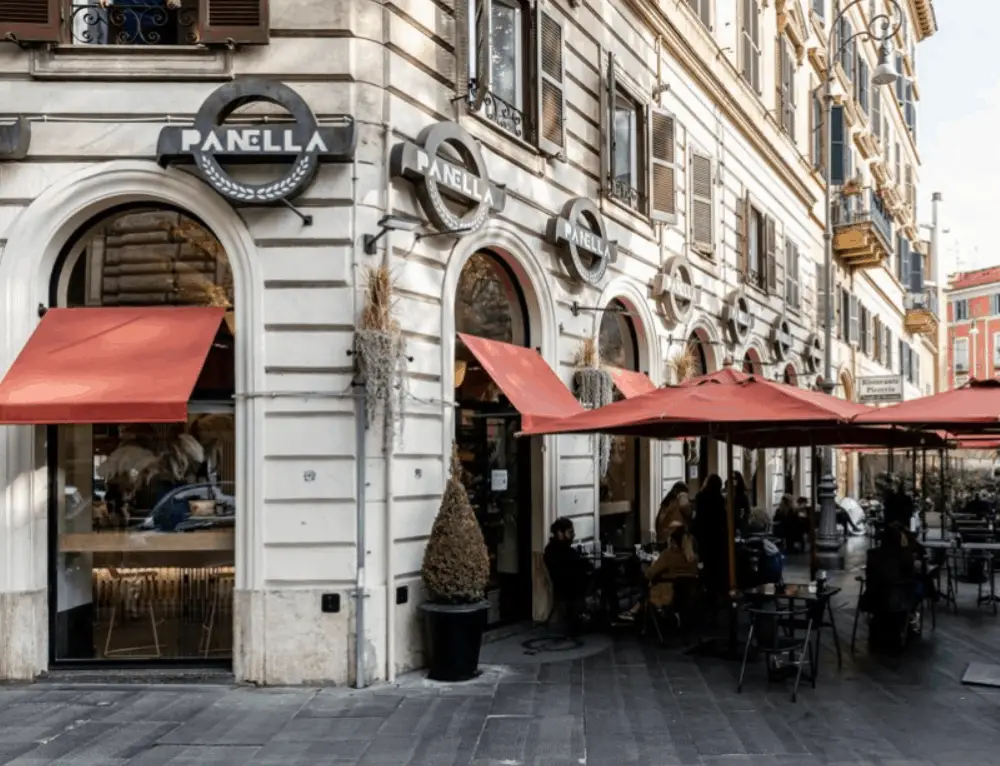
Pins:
x: 109, y: 365
x: 525, y: 379
x: 631, y: 384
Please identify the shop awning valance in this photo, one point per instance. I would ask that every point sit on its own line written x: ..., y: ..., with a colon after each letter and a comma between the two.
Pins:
x: 525, y: 379
x: 630, y: 383
x: 110, y: 365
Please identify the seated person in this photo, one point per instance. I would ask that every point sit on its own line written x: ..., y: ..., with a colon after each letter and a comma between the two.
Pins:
x: 675, y: 509
x: 758, y: 523
x: 794, y: 520
x: 897, y: 537
x: 571, y: 573
x: 677, y: 560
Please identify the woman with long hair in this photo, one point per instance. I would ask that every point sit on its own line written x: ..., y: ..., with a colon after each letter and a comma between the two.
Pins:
x: 675, y: 510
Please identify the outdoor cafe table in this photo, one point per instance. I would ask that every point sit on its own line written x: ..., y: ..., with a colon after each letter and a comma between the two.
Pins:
x: 819, y: 602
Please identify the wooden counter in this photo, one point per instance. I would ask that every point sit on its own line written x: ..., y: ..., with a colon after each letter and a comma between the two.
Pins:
x: 223, y: 539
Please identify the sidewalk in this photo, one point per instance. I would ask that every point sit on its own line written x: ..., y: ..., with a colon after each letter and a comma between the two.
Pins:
x: 628, y: 703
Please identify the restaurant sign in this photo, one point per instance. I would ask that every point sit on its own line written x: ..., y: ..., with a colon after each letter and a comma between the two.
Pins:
x: 302, y: 142
x: 737, y: 316
x: 446, y: 162
x: 15, y: 138
x: 674, y: 288
x: 581, y: 231
x: 880, y: 389
x: 781, y: 338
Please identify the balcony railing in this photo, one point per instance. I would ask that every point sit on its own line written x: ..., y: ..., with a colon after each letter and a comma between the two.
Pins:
x: 926, y: 300
x: 504, y: 115
x: 124, y: 22
x: 848, y: 212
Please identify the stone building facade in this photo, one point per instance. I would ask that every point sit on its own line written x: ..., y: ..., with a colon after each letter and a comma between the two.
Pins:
x: 691, y: 127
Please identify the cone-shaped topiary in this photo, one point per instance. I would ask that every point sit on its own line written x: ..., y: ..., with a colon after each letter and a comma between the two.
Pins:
x: 456, y: 563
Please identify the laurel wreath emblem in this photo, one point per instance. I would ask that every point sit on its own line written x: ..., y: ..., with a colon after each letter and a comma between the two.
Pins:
x: 271, y: 192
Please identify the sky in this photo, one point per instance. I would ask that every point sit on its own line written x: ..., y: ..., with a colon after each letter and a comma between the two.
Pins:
x: 958, y: 131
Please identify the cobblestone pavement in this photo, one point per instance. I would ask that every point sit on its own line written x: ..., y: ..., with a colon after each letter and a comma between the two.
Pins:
x: 630, y: 704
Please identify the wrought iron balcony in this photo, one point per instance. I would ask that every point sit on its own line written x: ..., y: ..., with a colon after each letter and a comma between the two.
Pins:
x: 625, y: 193
x: 862, y: 230
x: 921, y: 311
x: 504, y: 115
x: 124, y: 22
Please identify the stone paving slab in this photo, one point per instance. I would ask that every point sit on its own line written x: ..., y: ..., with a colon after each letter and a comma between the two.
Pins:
x: 632, y: 704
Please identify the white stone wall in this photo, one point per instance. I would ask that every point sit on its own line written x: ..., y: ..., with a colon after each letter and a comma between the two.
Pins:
x: 393, y: 68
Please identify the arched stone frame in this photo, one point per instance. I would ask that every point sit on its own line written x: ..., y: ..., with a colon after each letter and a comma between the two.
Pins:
x: 34, y: 242
x: 531, y: 275
x: 790, y: 374
x: 757, y: 353
x: 756, y: 349
x: 709, y: 335
x: 644, y: 323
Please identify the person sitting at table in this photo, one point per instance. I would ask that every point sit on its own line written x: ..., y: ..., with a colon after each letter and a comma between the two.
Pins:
x: 897, y: 536
x: 675, y: 510
x: 677, y: 560
x: 791, y: 522
x: 570, y: 571
x: 711, y: 532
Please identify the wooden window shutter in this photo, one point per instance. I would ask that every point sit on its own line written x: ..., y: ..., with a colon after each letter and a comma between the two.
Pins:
x: 791, y: 105
x: 838, y: 149
x: 821, y: 297
x: 853, y: 307
x: 551, y: 107
x: 611, y: 94
x: 743, y: 234
x: 31, y: 21
x: 888, y: 348
x: 770, y: 255
x: 780, y: 94
x: 701, y: 208
x: 877, y: 112
x: 662, y: 182
x: 916, y: 272
x: 237, y: 21
x: 863, y: 84
x: 705, y: 12
x: 792, y: 294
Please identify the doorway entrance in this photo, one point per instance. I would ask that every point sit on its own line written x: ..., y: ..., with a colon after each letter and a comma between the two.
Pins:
x: 497, y: 466
x: 142, y: 516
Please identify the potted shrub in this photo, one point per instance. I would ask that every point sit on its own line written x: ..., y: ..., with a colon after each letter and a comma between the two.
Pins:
x: 456, y: 571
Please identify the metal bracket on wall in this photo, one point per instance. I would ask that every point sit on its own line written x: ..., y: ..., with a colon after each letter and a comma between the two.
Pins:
x: 576, y: 308
x: 307, y: 220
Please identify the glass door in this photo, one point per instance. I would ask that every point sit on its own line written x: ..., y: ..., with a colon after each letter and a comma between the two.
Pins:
x: 497, y: 471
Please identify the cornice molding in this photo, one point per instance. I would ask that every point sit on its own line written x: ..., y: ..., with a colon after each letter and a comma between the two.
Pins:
x: 923, y: 13
x: 701, y: 73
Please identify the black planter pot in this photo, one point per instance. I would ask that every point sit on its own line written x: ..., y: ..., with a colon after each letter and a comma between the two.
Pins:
x: 453, y: 636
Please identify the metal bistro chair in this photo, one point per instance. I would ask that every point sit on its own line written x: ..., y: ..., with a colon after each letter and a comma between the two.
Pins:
x: 774, y: 631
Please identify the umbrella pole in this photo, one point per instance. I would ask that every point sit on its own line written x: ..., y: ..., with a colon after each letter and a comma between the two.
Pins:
x: 923, y: 493
x: 811, y: 521
x: 731, y: 516
x: 944, y: 461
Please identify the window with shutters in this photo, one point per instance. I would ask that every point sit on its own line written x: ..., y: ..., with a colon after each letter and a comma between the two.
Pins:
x: 759, y: 245
x: 845, y: 315
x: 701, y: 210
x: 960, y: 350
x: 898, y: 165
x: 995, y: 304
x: 960, y: 310
x: 911, y: 191
x: 750, y: 43
x: 792, y: 280
x: 847, y: 49
x: 861, y: 84
x: 785, y: 86
x: 853, y: 327
x: 514, y: 69
x: 888, y: 349
x: 626, y: 161
x: 136, y: 22
x: 819, y: 8
x: 877, y: 344
x: 703, y: 10
x: 876, y: 112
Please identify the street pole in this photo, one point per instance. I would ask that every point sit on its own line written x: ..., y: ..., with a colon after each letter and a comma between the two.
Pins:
x: 828, y: 542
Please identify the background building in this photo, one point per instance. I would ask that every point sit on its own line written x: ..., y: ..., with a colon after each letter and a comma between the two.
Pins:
x: 973, y: 325
x: 692, y: 127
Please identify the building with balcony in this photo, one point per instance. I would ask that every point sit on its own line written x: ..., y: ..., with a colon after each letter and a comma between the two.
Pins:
x: 973, y: 325
x: 646, y: 175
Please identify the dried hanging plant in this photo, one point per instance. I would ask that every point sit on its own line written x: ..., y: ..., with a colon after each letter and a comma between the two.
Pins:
x: 380, y: 353
x: 201, y: 290
x: 594, y: 388
x: 682, y: 365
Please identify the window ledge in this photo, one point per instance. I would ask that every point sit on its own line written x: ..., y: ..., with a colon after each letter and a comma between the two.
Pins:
x: 131, y: 62
x: 488, y: 132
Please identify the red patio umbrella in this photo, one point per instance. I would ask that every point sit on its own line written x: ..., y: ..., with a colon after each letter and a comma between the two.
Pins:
x: 975, y: 407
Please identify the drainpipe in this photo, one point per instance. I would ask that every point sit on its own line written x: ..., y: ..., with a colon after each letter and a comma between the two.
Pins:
x: 941, y: 373
x: 390, y: 535
x: 360, y: 431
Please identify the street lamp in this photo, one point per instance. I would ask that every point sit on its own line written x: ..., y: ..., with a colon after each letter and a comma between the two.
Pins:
x: 880, y: 29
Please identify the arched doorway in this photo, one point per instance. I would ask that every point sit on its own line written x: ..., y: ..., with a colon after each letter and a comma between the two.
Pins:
x: 142, y: 516
x: 621, y: 488
x: 489, y: 303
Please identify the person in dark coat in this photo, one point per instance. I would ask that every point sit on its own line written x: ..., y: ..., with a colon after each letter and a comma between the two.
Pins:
x: 711, y: 532
x: 569, y: 570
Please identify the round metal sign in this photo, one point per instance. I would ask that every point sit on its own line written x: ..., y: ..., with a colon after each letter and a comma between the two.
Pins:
x: 458, y: 198
x: 781, y: 338
x: 814, y: 353
x: 737, y: 316
x: 584, y: 237
x: 674, y: 288
x: 303, y: 142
